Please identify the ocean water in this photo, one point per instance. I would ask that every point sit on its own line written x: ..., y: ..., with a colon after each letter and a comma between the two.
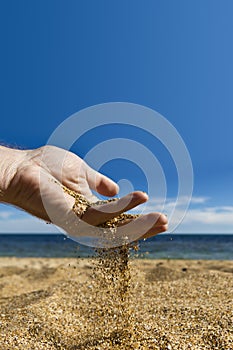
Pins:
x: 163, y: 246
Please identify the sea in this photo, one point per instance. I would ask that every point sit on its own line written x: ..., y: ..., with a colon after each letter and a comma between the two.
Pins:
x: 163, y: 246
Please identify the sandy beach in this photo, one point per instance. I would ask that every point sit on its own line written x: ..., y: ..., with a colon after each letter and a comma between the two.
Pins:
x: 48, y: 303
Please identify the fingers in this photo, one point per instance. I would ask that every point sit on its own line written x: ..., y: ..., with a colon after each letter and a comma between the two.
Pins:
x: 99, y: 214
x: 58, y: 205
x: 101, y: 183
x: 143, y: 227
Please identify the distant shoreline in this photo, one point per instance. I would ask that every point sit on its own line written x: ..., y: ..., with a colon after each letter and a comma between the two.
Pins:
x: 163, y: 246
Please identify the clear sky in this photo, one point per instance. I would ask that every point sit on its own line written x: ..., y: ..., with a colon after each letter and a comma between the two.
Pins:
x: 58, y: 57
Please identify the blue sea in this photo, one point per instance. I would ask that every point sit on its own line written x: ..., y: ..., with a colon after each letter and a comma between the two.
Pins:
x: 163, y: 246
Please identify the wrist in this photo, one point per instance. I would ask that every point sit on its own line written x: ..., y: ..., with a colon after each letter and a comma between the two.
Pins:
x: 10, y: 160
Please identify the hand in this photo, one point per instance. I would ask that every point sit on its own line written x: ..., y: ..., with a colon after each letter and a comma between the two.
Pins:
x: 32, y: 181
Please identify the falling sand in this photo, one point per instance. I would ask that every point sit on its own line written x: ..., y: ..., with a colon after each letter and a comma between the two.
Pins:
x: 111, y: 284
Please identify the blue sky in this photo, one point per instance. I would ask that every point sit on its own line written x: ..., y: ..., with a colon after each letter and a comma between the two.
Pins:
x: 58, y: 57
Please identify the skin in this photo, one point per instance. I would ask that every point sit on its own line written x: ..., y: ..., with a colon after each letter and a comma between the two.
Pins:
x: 31, y: 179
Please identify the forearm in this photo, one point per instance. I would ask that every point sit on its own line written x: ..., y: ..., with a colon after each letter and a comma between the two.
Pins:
x: 9, y: 161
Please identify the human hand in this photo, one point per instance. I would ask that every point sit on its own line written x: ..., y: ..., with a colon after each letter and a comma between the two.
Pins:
x: 32, y: 179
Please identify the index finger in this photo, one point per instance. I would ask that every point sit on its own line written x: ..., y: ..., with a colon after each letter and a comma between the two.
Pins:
x: 98, y: 214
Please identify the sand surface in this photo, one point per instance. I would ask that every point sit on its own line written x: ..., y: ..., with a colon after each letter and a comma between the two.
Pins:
x: 177, y: 304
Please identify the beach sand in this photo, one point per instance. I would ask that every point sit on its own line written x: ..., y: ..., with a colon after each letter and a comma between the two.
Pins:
x: 176, y: 304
